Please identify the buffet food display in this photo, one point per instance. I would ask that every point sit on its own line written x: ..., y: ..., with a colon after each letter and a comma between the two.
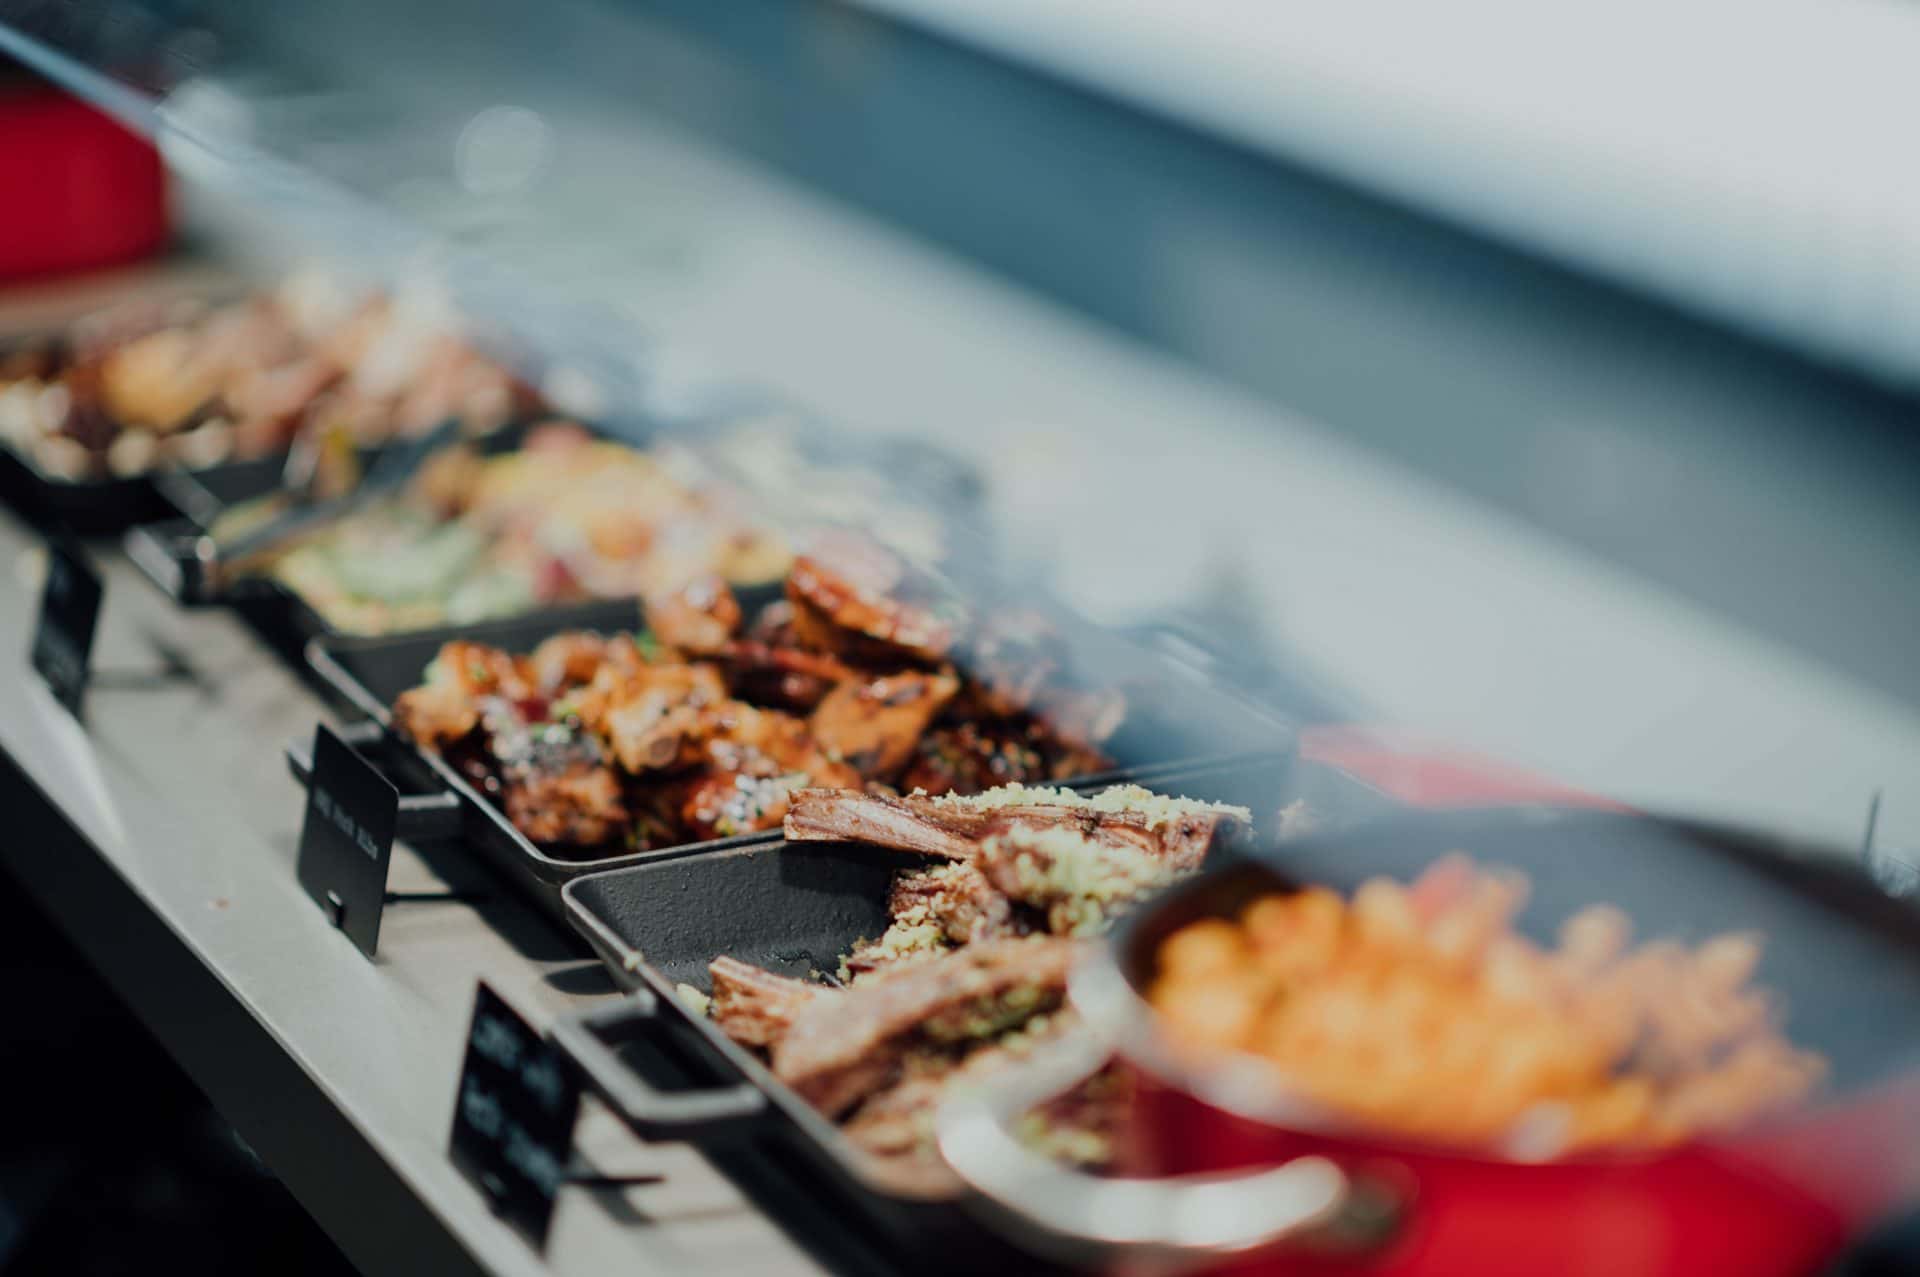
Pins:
x: 477, y: 533
x: 970, y: 973
x: 706, y: 725
x: 906, y: 812
x: 194, y: 383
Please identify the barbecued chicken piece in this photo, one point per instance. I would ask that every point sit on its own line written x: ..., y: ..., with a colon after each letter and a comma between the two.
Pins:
x: 652, y: 717
x: 852, y: 613
x: 700, y: 617
x: 970, y: 757
x: 784, y: 677
x: 754, y: 1006
x: 1014, y: 659
x: 839, y: 1052
x: 724, y: 804
x: 874, y: 724
x: 447, y: 705
x: 574, y: 658
x: 576, y: 804
x: 553, y: 779
x: 1178, y: 831
x: 750, y: 760
x: 761, y: 742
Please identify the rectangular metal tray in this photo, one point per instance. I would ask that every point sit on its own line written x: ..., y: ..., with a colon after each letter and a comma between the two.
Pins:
x: 282, y: 618
x: 369, y: 673
x: 672, y: 1075
x: 96, y: 506
x: 793, y: 911
x: 83, y: 507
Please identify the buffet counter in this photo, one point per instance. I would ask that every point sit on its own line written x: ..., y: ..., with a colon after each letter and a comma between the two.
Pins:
x: 160, y: 836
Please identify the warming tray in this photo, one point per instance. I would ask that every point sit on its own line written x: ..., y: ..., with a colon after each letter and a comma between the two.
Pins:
x: 791, y: 911
x: 368, y: 673
x: 671, y: 1074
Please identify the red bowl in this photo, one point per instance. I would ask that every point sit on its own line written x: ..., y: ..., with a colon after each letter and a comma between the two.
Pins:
x: 1225, y: 1169
x: 83, y: 191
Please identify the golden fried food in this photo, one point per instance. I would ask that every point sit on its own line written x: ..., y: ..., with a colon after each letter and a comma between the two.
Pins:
x: 1419, y: 1011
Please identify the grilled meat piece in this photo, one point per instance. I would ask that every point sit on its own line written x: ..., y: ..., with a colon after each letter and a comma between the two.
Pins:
x: 849, y: 609
x: 577, y: 805
x: 754, y: 1006
x: 554, y: 782
x: 825, y: 815
x: 573, y: 658
x: 447, y: 705
x: 654, y: 717
x: 1177, y: 831
x: 875, y: 724
x: 769, y: 666
x: 724, y: 804
x: 957, y: 897
x: 970, y: 757
x: 839, y: 1052
x: 898, y: 1122
x: 1012, y: 656
x: 700, y: 617
x: 933, y: 910
x: 790, y: 678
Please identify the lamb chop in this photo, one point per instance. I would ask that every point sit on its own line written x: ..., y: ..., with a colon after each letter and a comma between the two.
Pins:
x: 1178, y: 831
x: 898, y: 1121
x: 933, y: 910
x: 840, y: 1051
x: 957, y: 898
x: 1080, y: 885
x: 755, y: 1007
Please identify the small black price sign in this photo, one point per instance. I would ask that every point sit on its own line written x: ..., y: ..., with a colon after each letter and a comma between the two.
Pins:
x: 513, y: 1117
x: 69, y: 613
x: 347, y: 838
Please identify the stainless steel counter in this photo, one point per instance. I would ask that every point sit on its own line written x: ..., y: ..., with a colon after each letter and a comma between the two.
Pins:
x: 160, y: 836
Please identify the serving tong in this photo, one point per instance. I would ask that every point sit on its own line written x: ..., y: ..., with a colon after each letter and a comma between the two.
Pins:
x: 321, y: 482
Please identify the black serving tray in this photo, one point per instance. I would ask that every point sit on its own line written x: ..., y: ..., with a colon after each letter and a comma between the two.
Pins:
x: 82, y: 507
x: 672, y: 1075
x: 1840, y: 951
x: 367, y: 673
x: 282, y: 618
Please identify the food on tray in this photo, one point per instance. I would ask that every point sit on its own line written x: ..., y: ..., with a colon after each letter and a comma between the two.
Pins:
x: 193, y: 384
x: 564, y: 518
x: 703, y: 729
x: 843, y: 1046
x: 1178, y: 831
x: 968, y: 978
x: 1417, y: 1010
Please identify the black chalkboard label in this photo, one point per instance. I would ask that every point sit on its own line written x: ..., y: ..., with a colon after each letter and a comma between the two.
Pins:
x: 69, y: 611
x: 347, y: 838
x: 513, y: 1117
